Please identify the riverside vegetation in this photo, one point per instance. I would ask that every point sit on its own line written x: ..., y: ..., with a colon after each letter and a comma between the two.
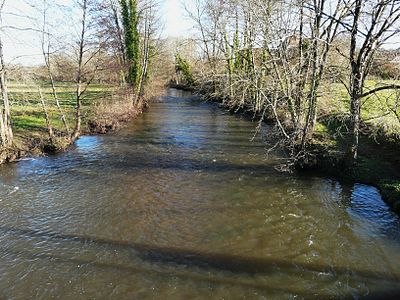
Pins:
x: 324, y: 73
x: 88, y: 82
x: 103, y: 110
x: 319, y: 71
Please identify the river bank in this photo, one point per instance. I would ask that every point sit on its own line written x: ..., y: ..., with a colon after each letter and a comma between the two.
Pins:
x: 378, y: 164
x: 41, y: 145
x: 105, y: 110
x: 327, y: 151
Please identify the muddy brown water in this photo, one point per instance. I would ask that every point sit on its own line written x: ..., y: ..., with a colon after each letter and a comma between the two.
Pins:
x: 184, y: 204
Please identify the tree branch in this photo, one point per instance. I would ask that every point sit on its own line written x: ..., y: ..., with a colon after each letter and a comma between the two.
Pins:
x: 381, y: 88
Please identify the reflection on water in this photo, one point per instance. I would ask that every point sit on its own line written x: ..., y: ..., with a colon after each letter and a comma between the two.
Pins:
x: 183, y: 205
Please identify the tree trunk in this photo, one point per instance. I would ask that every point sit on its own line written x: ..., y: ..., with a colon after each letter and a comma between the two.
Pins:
x: 356, y: 87
x: 46, y: 115
x: 78, y: 121
x: 78, y: 113
x: 64, y: 120
x: 132, y: 41
x: 3, y: 141
x: 5, y: 122
x: 146, y: 53
x: 355, y: 118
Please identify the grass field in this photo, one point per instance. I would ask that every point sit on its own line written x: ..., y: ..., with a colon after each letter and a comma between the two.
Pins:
x: 377, y: 110
x: 379, y: 151
x: 27, y: 113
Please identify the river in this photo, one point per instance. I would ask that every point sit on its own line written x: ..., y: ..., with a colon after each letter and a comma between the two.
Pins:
x: 184, y: 203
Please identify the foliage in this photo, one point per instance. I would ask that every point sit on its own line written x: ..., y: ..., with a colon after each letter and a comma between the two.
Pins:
x: 275, y: 59
x: 130, y: 22
x: 184, y: 68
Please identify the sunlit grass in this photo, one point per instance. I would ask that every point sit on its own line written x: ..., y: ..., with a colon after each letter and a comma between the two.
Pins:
x: 375, y: 110
x: 27, y: 112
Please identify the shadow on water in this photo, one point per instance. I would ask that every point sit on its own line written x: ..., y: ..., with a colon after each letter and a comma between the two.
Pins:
x: 187, y: 275
x: 219, y: 145
x: 177, y: 162
x: 203, y: 260
x: 209, y: 144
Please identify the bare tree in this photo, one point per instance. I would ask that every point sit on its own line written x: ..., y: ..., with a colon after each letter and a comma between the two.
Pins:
x: 372, y: 24
x: 88, y: 49
x: 6, y: 132
x: 46, y: 51
x: 206, y: 16
x: 150, y: 24
x: 81, y: 51
x: 108, y: 17
x: 47, y: 118
x: 275, y: 54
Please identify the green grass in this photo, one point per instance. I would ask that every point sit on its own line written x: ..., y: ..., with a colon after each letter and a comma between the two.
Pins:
x: 27, y: 113
x: 384, y: 172
x: 378, y: 164
x: 375, y: 109
x: 379, y: 150
x: 391, y: 191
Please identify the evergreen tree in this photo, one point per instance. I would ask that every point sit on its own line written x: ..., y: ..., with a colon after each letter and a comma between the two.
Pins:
x: 132, y: 39
x: 183, y: 67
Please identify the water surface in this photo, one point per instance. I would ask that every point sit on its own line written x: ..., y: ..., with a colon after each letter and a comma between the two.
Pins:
x: 184, y: 204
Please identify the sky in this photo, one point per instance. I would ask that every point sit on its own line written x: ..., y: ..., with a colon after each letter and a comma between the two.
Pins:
x: 24, y: 46
x: 176, y: 23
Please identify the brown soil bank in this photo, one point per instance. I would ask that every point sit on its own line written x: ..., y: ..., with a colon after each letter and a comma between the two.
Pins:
x: 110, y: 122
x: 11, y: 154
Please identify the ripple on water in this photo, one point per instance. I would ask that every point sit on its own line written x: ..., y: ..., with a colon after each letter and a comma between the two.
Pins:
x: 181, y: 205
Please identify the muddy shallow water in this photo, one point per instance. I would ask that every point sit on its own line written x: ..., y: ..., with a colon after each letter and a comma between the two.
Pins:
x: 184, y: 204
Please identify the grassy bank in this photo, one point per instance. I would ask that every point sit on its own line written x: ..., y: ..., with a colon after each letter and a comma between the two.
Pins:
x: 105, y: 108
x: 378, y: 162
x: 27, y: 113
x: 379, y: 153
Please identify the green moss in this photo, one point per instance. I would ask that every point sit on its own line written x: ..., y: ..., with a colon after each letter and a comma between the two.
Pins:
x: 321, y: 128
x: 391, y: 190
x: 182, y: 65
